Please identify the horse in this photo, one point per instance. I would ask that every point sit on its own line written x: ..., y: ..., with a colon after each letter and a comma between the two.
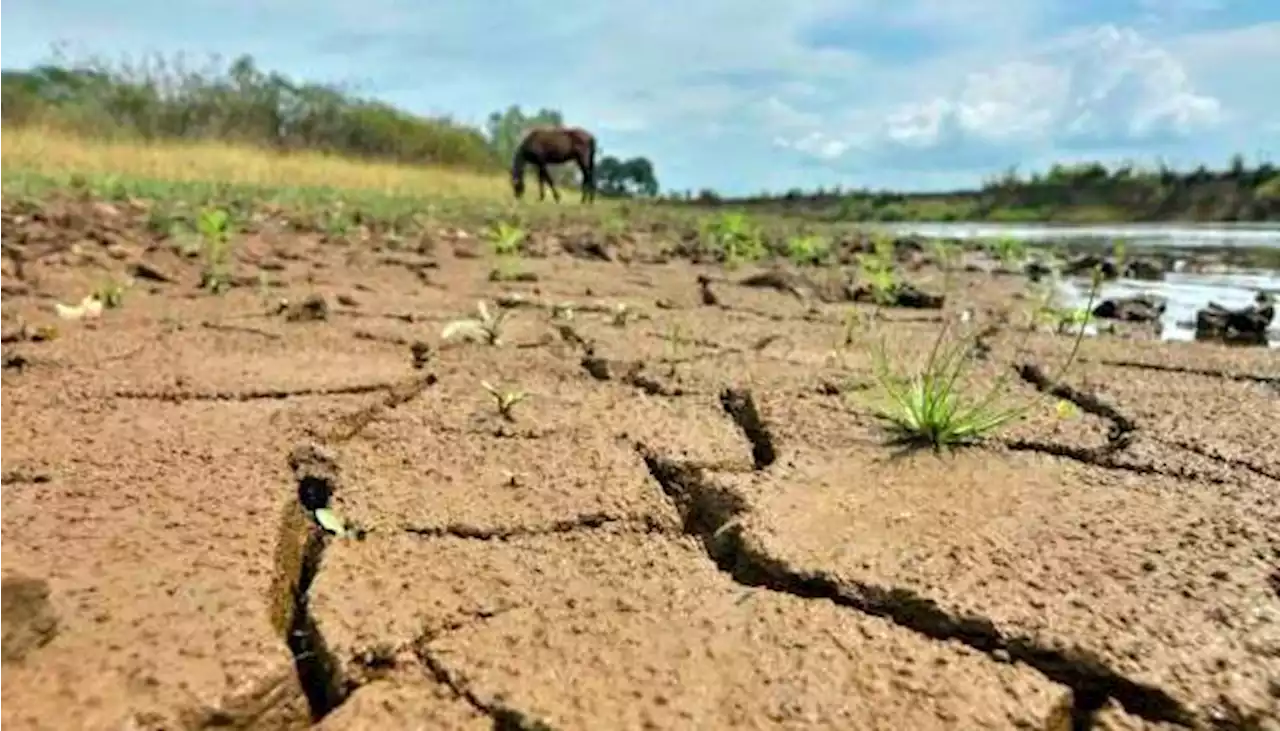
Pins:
x: 543, y: 146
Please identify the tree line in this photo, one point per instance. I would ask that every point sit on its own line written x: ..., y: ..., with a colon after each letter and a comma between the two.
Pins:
x: 163, y: 99
x: 1089, y: 191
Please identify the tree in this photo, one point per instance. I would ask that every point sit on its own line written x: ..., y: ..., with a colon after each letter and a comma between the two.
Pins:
x: 626, y: 178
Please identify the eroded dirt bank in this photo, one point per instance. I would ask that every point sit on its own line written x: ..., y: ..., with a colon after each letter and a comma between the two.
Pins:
x: 688, y: 522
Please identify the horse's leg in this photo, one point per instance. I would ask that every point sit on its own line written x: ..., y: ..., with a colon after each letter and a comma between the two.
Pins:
x: 588, y: 178
x: 545, y: 177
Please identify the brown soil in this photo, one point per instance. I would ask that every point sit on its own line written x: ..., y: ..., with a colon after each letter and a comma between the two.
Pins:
x: 691, y: 521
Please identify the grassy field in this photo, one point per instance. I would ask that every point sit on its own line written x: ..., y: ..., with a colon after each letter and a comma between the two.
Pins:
x: 35, y: 157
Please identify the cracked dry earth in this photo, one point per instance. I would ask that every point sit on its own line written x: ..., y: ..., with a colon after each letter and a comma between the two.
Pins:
x: 698, y: 534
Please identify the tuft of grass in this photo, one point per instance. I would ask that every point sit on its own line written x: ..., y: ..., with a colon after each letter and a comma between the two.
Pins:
x: 734, y: 237
x: 504, y: 400
x: 878, y: 268
x: 809, y: 249
x: 932, y: 407
x: 506, y: 239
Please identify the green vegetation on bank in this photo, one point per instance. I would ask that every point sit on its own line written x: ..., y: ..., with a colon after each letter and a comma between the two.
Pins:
x: 1082, y: 193
x: 162, y: 100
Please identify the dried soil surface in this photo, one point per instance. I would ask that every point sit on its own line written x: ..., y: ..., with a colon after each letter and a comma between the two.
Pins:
x: 689, y: 522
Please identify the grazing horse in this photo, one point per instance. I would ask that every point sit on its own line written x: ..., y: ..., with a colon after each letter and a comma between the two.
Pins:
x: 544, y: 146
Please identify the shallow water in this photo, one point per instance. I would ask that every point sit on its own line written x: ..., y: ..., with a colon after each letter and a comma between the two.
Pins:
x: 1185, y: 293
x: 1155, y: 234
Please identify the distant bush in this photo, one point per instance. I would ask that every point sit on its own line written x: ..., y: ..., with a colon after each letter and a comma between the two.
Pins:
x: 163, y: 100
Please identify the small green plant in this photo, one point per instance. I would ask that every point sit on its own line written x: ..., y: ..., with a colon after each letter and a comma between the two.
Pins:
x: 877, y: 268
x: 1010, y: 251
x: 811, y: 249
x: 735, y: 238
x: 485, y: 327
x: 506, y: 239
x: 110, y: 294
x: 214, y: 226
x: 504, y: 400
x: 930, y: 408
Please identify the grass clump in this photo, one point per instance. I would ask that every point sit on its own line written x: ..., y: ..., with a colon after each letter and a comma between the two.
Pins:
x: 877, y: 269
x: 734, y: 238
x: 932, y: 405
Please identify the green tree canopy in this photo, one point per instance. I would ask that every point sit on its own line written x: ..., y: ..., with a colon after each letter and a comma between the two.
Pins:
x: 615, y: 177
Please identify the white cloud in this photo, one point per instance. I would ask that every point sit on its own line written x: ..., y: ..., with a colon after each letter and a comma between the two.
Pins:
x: 1107, y: 84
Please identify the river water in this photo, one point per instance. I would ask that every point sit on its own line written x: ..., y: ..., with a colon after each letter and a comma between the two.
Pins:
x: 1185, y: 292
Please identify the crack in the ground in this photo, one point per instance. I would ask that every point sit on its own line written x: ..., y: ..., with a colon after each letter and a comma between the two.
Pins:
x: 398, y: 394
x: 240, y: 330
x: 22, y: 476
x: 740, y: 405
x: 256, y: 394
x: 1122, y: 427
x: 300, y: 548
x: 299, y: 552
x: 1207, y: 372
x: 1208, y: 454
x: 1119, y: 437
x: 583, y: 522
x: 714, y: 515
x: 505, y: 717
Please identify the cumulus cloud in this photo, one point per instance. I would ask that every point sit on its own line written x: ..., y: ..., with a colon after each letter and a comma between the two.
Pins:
x: 1101, y: 87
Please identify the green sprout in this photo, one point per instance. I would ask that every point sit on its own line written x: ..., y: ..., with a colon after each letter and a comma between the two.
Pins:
x: 506, y: 239
x: 1009, y: 250
x: 877, y: 268
x: 214, y: 226
x: 505, y: 400
x: 811, y: 249
x: 735, y: 238
x: 111, y: 294
x: 485, y: 327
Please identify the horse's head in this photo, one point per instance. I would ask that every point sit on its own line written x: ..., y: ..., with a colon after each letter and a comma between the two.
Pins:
x: 517, y: 184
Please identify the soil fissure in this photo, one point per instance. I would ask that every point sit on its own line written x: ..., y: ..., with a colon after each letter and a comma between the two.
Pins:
x: 584, y: 522
x: 715, y: 515
x: 261, y: 394
x: 505, y: 718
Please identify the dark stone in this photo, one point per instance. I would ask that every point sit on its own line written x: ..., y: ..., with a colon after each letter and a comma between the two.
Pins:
x: 29, y: 619
x: 1245, y: 326
x: 1142, y: 308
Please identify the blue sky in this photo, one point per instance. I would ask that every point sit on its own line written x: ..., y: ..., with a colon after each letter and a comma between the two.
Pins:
x: 746, y: 95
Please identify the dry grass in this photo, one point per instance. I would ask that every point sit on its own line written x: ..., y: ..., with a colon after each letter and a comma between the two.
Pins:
x: 48, y: 152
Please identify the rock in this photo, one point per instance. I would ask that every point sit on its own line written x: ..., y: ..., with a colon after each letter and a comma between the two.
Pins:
x: 313, y: 308
x: 781, y: 280
x: 145, y: 271
x: 1245, y: 326
x: 903, y: 295
x: 1142, y: 308
x: 1037, y: 270
x: 1150, y: 270
x: 29, y: 619
x: 1086, y: 263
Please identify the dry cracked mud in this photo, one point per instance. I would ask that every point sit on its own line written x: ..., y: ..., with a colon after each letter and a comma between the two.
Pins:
x: 690, y: 521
